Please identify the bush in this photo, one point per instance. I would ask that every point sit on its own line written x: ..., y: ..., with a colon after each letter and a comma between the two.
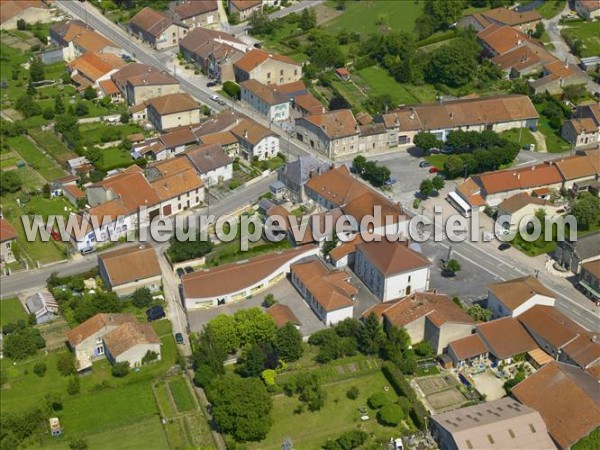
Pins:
x: 73, y: 387
x: 141, y: 298
x: 378, y: 400
x: 120, y: 369
x: 78, y: 444
x: 40, y: 369
x: 232, y: 89
x: 149, y: 357
x: 400, y: 384
x: 269, y: 300
x: 352, y: 393
x: 347, y: 441
x: 390, y: 415
x: 48, y: 114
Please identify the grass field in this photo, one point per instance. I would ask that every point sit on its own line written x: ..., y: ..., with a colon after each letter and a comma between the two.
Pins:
x: 339, y: 415
x: 113, y: 158
x: 554, y: 143
x: 11, y: 311
x: 35, y: 158
x: 96, y: 133
x: 513, y: 136
x: 551, y: 8
x: 52, y: 144
x: 363, y: 17
x: 181, y: 395
x: 382, y: 83
x: 588, y: 33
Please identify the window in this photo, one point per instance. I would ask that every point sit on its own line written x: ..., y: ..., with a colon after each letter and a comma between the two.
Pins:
x: 269, y: 75
x: 532, y: 428
x: 281, y: 72
x: 511, y: 433
x: 490, y: 438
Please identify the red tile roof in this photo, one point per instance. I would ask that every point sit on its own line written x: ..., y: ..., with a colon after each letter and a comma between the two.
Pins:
x: 468, y: 347
x: 506, y: 337
x: 133, y: 263
x: 7, y: 232
x: 95, y: 324
x: 255, y: 58
x: 501, y: 39
x: 282, y: 314
x: 392, y: 257
x: 128, y: 335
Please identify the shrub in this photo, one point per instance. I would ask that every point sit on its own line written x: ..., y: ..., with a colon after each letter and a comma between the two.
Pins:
x: 378, y: 400
x: 418, y: 413
x: 120, y: 369
x: 149, y: 357
x: 141, y: 298
x: 40, y: 369
x: 390, y: 415
x: 65, y: 364
x: 269, y: 300
x: 48, y: 114
x: 73, y: 387
x: 352, y: 393
x: 232, y: 89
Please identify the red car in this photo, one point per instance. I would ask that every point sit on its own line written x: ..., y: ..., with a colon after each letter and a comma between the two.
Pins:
x: 434, y: 170
x: 55, y: 235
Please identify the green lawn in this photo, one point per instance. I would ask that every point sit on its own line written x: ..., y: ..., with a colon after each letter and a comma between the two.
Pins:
x: 113, y: 158
x: 181, y: 395
x: 382, y: 83
x: 554, y: 143
x: 551, y: 8
x: 35, y: 158
x: 513, y: 135
x: 11, y: 311
x: 351, y: 93
x: 438, y: 160
x: 310, y: 430
x: 362, y: 17
x: 588, y: 33
x: 590, y: 442
x: 97, y: 133
x: 53, y: 145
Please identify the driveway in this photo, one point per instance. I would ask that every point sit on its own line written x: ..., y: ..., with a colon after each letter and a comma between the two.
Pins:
x: 487, y: 383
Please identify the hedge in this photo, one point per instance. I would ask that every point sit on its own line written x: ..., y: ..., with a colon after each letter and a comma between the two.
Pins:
x: 418, y: 412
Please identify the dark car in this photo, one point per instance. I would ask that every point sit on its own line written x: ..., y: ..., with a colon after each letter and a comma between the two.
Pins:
x: 179, y: 338
x: 434, y: 170
x: 424, y: 164
x: 504, y: 246
x: 211, y: 84
x: 180, y: 272
x: 447, y: 151
x: 188, y: 269
x: 257, y: 45
x: 155, y: 313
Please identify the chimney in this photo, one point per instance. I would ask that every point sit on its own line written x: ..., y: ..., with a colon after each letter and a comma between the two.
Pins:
x: 245, y: 134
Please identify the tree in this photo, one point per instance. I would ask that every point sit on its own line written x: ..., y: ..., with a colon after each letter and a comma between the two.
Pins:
x: 396, y: 343
x: 222, y: 330
x: 358, y: 164
x: 426, y: 188
x: 78, y: 444
x: 89, y: 93
x: 120, y: 369
x: 81, y: 109
x: 408, y: 362
x: 443, y: 12
x: 40, y: 369
x: 308, y: 19
x: 28, y: 106
x: 308, y: 386
x: 252, y: 362
x: 378, y: 400
x: 241, y: 407
x: 349, y: 327
x: 184, y: 250
x: 330, y: 244
x: 454, y: 64
x: 65, y: 364
x: 73, y: 386
x: 352, y: 393
x: 324, y: 51
x: 59, y: 106
x: 574, y: 92
x: 253, y: 326
x: 21, y: 25
x: 203, y: 375
x: 349, y: 440
x: 31, y: 91
x: 142, y: 297
x: 424, y: 26
x: 10, y: 181
x: 452, y: 267
x: 125, y: 117
x: 438, y: 183
x: 149, y: 357
x: 288, y: 341
x: 261, y: 23
x: 390, y: 415
x: 22, y: 343
x: 539, y: 30
x: 53, y: 402
x: 371, y: 335
x: 36, y: 70
x: 479, y: 314
x: 48, y: 114
x: 586, y: 211
x: 232, y: 89
x: 426, y: 141
x: 269, y: 300
x: 454, y: 165
x: 423, y: 349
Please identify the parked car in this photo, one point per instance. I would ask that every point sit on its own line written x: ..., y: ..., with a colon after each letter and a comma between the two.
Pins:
x: 446, y: 151
x: 504, y: 246
x: 211, y: 84
x: 390, y: 181
x: 221, y: 102
x: 87, y: 251
x: 257, y: 45
x: 155, y: 313
x: 530, y: 147
x: 434, y: 170
x: 180, y: 272
x: 179, y: 338
x: 188, y: 269
x: 55, y: 235
x: 597, y: 95
x: 424, y: 164
x: 214, y: 98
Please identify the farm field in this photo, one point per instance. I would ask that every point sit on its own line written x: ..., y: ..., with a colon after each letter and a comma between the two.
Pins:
x: 35, y: 158
x: 11, y: 311
x: 52, y: 144
x: 588, y: 33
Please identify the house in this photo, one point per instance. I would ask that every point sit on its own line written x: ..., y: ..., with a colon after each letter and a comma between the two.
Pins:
x: 173, y: 110
x: 591, y: 111
x: 500, y: 424
x: 566, y: 397
x: 92, y: 68
x: 343, y: 74
x: 525, y: 21
x: 140, y: 82
x: 589, y: 279
x: 513, y: 297
x: 273, y: 102
x: 469, y: 350
x: 255, y: 140
x: 166, y: 145
x: 157, y: 29
x: 282, y: 314
x: 426, y: 316
x: 241, y: 280
x: 127, y: 269
x: 86, y: 339
x: 514, y: 210
x: 79, y: 166
x: 31, y: 11
x: 505, y: 338
x: 130, y: 342
x: 244, y: 8
x: 214, y: 52
x: 334, y: 133
x: 561, y: 337
x: 390, y: 269
x: 307, y: 105
x: 344, y: 254
x: 74, y: 194
x: 572, y: 254
x: 328, y: 292
x: 295, y: 174
x: 8, y: 236
x: 267, y: 68
x: 373, y: 137
x: 108, y: 88
x: 500, y: 39
x: 77, y: 38
x: 581, y: 133
x: 497, y: 113
x: 577, y: 170
x: 196, y: 13
x: 212, y: 163
x: 43, y: 305
x: 555, y: 76
x: 528, y: 59
x: 587, y: 9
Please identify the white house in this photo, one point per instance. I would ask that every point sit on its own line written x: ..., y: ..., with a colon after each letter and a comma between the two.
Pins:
x: 390, y: 269
x: 130, y: 342
x: 172, y: 111
x: 513, y: 297
x: 212, y: 163
x: 328, y: 292
x: 256, y: 141
x: 518, y: 208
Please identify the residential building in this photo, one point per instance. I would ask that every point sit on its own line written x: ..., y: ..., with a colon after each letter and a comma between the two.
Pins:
x: 426, y: 316
x: 334, y: 133
x: 86, y: 339
x: 108, y: 88
x: 267, y: 68
x: 295, y: 174
x: 500, y: 39
x: 79, y: 166
x: 43, y: 305
x: 212, y: 163
x: 525, y: 21
x: 166, y: 145
x: 591, y: 111
x: 372, y: 138
x: 343, y: 74
x: 244, y: 8
x: 8, y: 236
x: 77, y: 38
x: 513, y: 297
x: 344, y: 254
x: 561, y: 337
x: 240, y: 280
x: 577, y: 170
x: 497, y: 113
x: 126, y: 270
x: 92, y: 68
x: 214, y: 52
x: 525, y: 60
x: 273, y: 102
x: 566, y: 397
x: 172, y: 111
x: 130, y: 342
x: 196, y: 13
x: 516, y: 210
x: 307, y: 105
x: 469, y: 350
x: 328, y: 292
x: 500, y: 424
x: 557, y: 75
x: 282, y: 314
x: 572, y: 254
x: 589, y: 279
x: 505, y: 338
x: 581, y: 133
x: 140, y: 82
x: 157, y: 29
x: 255, y: 140
x: 390, y: 269
x: 587, y: 9
x: 31, y: 11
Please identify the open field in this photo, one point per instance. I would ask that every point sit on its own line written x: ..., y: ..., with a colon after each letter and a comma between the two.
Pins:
x: 35, y: 158
x: 523, y: 133
x: 554, y: 143
x: 181, y: 394
x: 97, y: 133
x: 52, y: 144
x: 113, y: 158
x: 430, y: 385
x: 588, y: 33
x: 11, y: 311
x: 448, y: 399
x: 551, y: 8
x: 381, y: 83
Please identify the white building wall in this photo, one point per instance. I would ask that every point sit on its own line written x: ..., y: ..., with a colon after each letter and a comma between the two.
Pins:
x: 217, y: 176
x: 338, y: 315
x: 397, y: 286
x: 135, y: 354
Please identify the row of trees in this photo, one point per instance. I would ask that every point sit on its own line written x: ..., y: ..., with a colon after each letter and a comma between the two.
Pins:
x: 370, y: 171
